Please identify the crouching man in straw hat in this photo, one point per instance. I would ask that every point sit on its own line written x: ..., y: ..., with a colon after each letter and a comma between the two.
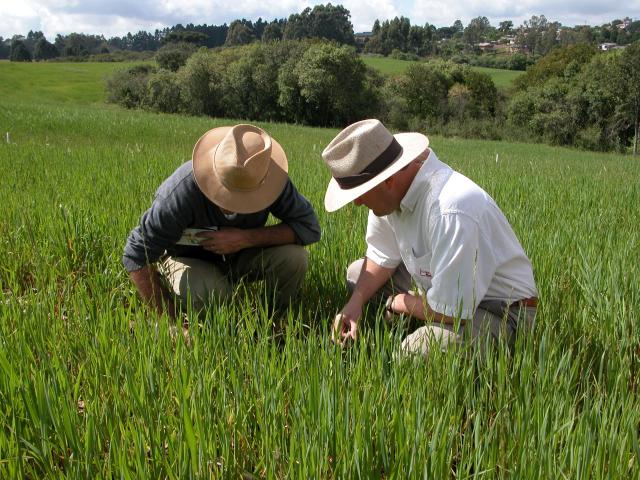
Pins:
x: 236, y: 178
x: 433, y: 226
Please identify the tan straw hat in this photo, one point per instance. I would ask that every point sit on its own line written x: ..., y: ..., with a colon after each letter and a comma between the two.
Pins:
x: 240, y: 168
x: 364, y: 155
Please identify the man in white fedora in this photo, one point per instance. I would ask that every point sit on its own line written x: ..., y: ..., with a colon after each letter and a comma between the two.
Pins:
x: 432, y: 227
x: 238, y: 175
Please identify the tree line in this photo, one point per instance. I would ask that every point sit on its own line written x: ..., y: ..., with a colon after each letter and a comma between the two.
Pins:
x: 574, y: 96
x: 535, y: 37
x: 322, y: 21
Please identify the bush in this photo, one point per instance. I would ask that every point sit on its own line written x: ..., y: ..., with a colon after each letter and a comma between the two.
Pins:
x: 129, y: 87
x: 554, y: 65
x: 521, y: 109
x: 483, y: 94
x: 424, y: 88
x: 117, y: 56
x: 163, y: 92
x: 333, y: 85
x: 201, y: 83
x: 398, y: 55
x: 172, y: 56
x: 251, y: 82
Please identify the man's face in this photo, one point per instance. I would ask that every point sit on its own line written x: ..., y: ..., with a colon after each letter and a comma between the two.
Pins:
x: 378, y: 200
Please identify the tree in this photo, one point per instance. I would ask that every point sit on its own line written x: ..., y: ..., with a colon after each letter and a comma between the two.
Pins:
x: 324, y: 21
x: 457, y: 28
x: 143, y: 41
x: 201, y: 81
x: 629, y: 82
x: 395, y: 35
x: 172, y: 56
x: 129, y: 87
x: 187, y: 36
x: 31, y: 39
x: 5, y: 48
x: 44, y: 50
x: 530, y: 36
x: 163, y: 92
x: 476, y: 31
x: 554, y: 65
x: 332, y: 23
x: 239, y: 34
x: 19, y: 52
x: 424, y: 88
x: 272, y: 32
x: 79, y: 44
x: 298, y: 26
x: 506, y: 27
x: 328, y: 86
x: 483, y: 94
x: 548, y: 39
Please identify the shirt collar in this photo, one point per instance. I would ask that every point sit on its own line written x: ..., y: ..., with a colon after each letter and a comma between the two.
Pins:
x: 420, y: 182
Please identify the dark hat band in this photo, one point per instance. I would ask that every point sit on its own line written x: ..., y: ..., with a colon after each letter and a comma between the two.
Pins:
x: 381, y: 162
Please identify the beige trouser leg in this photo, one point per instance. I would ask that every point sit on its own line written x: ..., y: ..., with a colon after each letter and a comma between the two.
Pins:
x: 196, y: 280
x: 282, y: 268
x: 488, y: 326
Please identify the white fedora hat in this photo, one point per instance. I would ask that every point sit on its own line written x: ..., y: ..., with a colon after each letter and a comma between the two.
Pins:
x: 364, y: 155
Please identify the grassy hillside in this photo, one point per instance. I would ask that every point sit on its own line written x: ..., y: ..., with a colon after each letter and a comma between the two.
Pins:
x: 390, y: 66
x: 92, y: 385
x: 56, y: 82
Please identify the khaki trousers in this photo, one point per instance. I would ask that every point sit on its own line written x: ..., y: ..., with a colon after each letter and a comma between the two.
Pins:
x: 203, y: 283
x: 494, y: 320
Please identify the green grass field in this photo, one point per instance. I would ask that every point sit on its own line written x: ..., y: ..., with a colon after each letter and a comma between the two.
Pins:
x: 57, y: 82
x: 93, y: 386
x: 390, y: 66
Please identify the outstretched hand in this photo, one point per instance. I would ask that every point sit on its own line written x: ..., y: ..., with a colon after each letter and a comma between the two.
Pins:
x: 345, y: 325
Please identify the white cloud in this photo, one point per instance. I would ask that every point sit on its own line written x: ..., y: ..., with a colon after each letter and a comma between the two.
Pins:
x: 364, y: 13
x: 570, y: 12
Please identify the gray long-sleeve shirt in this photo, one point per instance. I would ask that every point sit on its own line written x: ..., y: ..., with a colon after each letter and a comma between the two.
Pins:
x: 179, y: 204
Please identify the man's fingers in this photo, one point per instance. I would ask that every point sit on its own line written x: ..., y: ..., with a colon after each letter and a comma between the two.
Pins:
x: 338, y: 329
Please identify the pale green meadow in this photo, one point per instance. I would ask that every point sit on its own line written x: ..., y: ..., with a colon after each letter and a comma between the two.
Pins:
x: 92, y: 385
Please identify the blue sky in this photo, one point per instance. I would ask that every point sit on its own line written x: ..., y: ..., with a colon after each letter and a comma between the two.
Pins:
x: 117, y: 17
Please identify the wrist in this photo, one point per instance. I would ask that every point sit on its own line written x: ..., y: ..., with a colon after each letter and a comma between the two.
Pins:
x: 247, y: 238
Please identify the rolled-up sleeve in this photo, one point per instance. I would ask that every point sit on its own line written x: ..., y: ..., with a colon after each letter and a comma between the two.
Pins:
x: 382, y: 246
x: 160, y: 227
x: 296, y: 211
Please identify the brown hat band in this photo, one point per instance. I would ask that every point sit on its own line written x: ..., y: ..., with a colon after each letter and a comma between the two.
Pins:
x: 381, y: 162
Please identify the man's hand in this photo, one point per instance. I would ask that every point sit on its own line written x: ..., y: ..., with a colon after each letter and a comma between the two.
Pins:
x: 149, y: 286
x: 345, y: 325
x: 225, y: 241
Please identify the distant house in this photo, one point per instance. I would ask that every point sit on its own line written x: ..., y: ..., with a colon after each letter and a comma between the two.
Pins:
x: 625, y: 24
x: 605, y: 47
x: 486, y: 47
x: 362, y: 37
